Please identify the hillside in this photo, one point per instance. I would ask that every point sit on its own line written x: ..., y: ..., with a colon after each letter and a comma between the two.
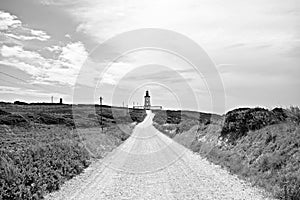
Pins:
x: 259, y: 145
x: 42, y: 146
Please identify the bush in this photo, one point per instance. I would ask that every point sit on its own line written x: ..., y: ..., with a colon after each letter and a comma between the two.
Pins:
x: 52, y: 119
x: 137, y: 115
x: 294, y: 112
x: 13, y: 119
x: 20, y: 103
x: 2, y: 112
x: 32, y: 172
x: 290, y: 188
x: 239, y: 121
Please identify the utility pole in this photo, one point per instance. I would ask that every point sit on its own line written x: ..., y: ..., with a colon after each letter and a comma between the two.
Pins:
x: 51, y: 99
x: 199, y: 121
x: 101, y: 113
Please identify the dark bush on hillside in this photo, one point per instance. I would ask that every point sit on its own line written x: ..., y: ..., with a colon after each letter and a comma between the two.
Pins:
x: 173, y: 117
x: 168, y: 116
x: 107, y: 115
x: 105, y: 112
x: 49, y: 119
x: 137, y: 115
x: 160, y: 117
x: 235, y: 124
x: 280, y: 113
x: 294, y: 114
x: 13, y: 119
x: 20, y: 103
x: 205, y: 118
x: 2, y: 112
x: 239, y: 121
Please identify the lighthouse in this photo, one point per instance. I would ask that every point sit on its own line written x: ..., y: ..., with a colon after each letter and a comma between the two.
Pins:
x: 147, y: 104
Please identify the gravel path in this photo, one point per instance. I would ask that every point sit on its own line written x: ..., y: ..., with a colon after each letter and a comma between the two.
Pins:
x: 149, y: 165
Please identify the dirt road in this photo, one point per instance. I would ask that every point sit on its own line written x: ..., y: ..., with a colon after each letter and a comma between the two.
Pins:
x: 149, y: 165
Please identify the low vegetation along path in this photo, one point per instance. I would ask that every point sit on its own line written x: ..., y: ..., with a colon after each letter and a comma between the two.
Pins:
x: 149, y: 165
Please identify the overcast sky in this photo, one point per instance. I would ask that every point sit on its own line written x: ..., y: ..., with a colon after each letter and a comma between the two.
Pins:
x: 255, y: 45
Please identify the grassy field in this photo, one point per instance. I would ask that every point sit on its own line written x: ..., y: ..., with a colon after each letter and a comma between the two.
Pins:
x: 261, y: 146
x: 42, y: 146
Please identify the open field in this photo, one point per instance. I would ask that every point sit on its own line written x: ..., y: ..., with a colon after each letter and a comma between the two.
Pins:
x: 42, y: 146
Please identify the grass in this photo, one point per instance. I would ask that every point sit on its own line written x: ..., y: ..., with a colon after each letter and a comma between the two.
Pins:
x: 38, y: 160
x: 259, y: 145
x: 42, y: 146
x: 268, y: 157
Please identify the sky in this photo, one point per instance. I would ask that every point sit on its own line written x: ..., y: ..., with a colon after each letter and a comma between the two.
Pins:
x: 50, y: 48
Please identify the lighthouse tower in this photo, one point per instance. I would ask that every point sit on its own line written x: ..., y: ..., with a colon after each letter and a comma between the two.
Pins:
x: 147, y: 104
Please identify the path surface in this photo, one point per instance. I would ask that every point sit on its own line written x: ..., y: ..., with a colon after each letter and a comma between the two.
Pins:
x: 149, y: 165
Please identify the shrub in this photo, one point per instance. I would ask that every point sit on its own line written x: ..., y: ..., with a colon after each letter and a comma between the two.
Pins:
x: 290, y: 188
x: 33, y: 171
x: 2, y: 112
x: 137, y: 115
x: 20, y: 103
x: 294, y: 112
x: 239, y: 121
x: 13, y: 119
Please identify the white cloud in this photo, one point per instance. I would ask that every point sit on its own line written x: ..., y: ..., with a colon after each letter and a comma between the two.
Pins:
x: 74, y: 54
x: 213, y: 23
x: 13, y: 28
x: 19, y: 52
x: 26, y: 92
x: 68, y: 36
x: 24, y: 37
x: 40, y: 35
x: 44, y: 70
x: 54, y: 48
x: 8, y: 21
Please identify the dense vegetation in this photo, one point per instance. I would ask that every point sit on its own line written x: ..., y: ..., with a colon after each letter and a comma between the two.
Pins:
x: 42, y: 146
x: 37, y: 161
x: 260, y: 145
x: 173, y: 123
x: 240, y: 121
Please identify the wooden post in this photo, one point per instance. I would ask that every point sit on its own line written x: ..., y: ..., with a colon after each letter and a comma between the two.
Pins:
x: 101, y: 113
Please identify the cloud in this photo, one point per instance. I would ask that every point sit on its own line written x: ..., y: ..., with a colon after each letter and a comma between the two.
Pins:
x: 8, y: 21
x: 54, y: 48
x: 26, y: 92
x: 214, y: 23
x: 41, y: 35
x: 68, y: 36
x: 63, y: 70
x: 19, y: 52
x: 235, y: 45
x: 74, y: 54
x: 12, y: 27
